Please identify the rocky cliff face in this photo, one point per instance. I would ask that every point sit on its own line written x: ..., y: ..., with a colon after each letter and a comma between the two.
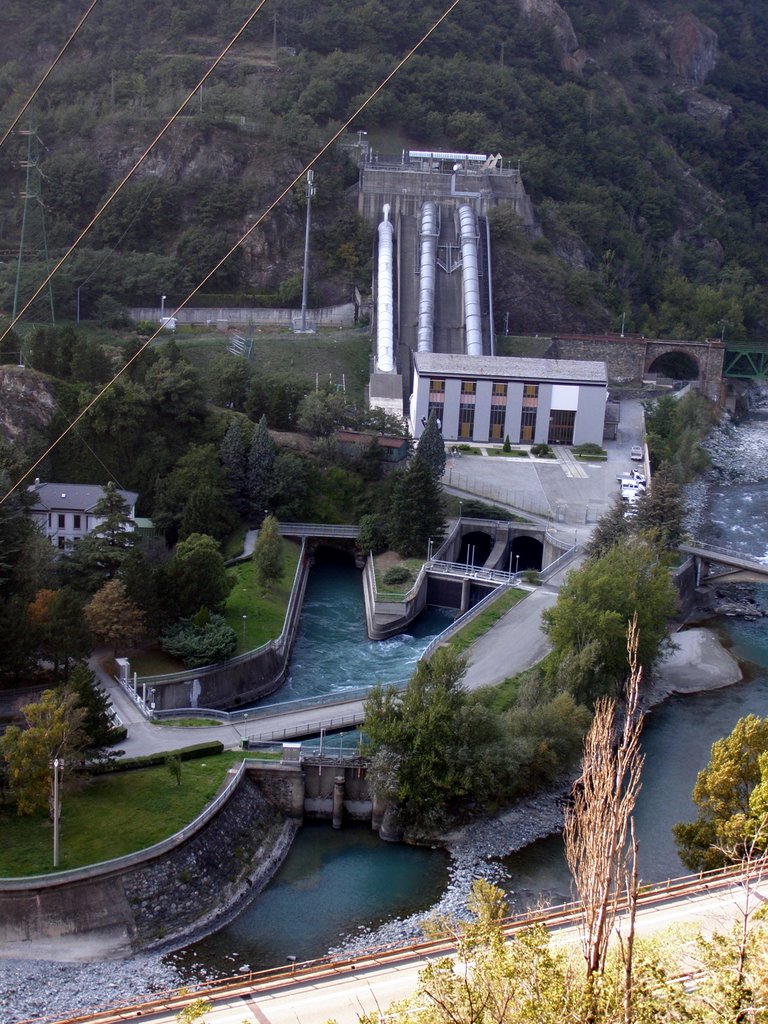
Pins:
x: 27, y: 402
x: 692, y: 48
x: 549, y: 12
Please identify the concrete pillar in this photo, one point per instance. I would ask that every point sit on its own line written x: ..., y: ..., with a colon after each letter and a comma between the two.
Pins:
x: 465, y: 583
x: 378, y: 807
x: 390, y: 830
x: 338, y: 801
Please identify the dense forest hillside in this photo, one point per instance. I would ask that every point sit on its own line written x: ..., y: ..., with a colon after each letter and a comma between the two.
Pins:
x: 640, y: 129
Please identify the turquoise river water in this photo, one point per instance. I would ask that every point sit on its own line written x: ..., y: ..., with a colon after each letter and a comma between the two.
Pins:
x: 334, y: 882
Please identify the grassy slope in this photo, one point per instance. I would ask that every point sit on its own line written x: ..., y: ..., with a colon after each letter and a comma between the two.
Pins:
x: 111, y: 815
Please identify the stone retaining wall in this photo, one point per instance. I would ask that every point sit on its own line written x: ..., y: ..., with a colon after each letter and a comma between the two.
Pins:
x: 160, y: 900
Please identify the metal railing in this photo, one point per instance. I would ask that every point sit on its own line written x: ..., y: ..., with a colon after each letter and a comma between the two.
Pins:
x: 475, y: 572
x: 318, y: 530
x: 562, y: 560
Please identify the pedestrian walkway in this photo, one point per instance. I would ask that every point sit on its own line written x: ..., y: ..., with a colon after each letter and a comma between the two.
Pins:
x: 570, y: 465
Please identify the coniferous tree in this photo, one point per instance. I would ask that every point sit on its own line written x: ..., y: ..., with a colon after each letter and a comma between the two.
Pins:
x: 234, y: 457
x: 611, y: 528
x: 417, y: 511
x: 662, y: 509
x: 431, y: 447
x: 261, y: 459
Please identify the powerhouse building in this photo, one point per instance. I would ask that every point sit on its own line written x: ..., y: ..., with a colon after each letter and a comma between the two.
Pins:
x: 485, y: 399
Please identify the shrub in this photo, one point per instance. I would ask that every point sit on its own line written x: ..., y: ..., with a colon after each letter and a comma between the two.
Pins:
x: 398, y: 574
x: 202, y: 640
x: 507, y: 446
x: 588, y: 448
x: 542, y: 451
x: 191, y: 753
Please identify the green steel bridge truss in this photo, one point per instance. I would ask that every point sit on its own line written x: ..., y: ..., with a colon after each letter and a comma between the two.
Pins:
x: 747, y: 361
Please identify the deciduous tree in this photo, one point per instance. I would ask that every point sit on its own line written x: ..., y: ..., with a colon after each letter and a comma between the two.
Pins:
x: 599, y: 837
x: 268, y: 554
x: 113, y: 618
x: 587, y: 626
x: 730, y: 795
x: 54, y: 729
x: 196, y: 577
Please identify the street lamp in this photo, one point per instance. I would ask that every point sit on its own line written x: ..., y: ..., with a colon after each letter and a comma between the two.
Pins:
x: 56, y: 809
x: 245, y: 617
x: 517, y: 562
x: 360, y: 134
x: 461, y: 506
x: 162, y: 309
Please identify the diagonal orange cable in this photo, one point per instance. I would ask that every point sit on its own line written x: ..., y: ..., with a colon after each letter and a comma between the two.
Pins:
x: 324, y: 149
x: 135, y: 167
x: 47, y: 74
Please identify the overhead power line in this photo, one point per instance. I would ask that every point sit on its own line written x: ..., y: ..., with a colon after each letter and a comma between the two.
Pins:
x: 47, y: 74
x: 135, y: 167
x: 275, y: 202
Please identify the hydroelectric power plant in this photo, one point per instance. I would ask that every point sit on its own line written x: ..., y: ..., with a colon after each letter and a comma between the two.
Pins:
x: 435, y: 346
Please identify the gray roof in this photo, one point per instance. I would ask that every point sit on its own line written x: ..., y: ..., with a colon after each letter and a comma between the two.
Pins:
x: 386, y: 385
x: 571, y: 371
x: 73, y: 497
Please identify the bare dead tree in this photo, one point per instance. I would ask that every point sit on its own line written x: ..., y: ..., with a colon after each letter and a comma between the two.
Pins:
x: 600, y: 855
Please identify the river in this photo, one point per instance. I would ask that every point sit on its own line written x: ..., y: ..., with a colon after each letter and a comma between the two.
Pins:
x: 333, y: 883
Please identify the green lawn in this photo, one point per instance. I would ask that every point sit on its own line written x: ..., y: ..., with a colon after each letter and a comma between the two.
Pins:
x: 151, y: 661
x: 111, y: 815
x: 256, y: 617
x: 339, y: 355
x: 465, y: 637
x: 515, y: 453
x: 395, y: 592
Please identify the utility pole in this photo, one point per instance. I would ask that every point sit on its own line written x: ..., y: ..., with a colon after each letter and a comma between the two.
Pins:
x: 305, y: 284
x: 33, y: 236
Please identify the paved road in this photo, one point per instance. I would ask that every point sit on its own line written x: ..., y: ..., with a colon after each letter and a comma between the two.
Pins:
x: 576, y: 493
x: 347, y: 994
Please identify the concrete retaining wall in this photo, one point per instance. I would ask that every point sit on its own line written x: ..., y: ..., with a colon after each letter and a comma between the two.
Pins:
x: 228, y: 316
x: 240, y: 680
x: 157, y: 897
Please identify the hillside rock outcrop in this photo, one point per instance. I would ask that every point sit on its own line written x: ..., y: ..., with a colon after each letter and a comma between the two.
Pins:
x: 693, y: 48
x: 27, y: 402
x: 572, y: 57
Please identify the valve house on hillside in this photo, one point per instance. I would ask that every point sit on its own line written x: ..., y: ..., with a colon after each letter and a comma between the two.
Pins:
x: 533, y: 401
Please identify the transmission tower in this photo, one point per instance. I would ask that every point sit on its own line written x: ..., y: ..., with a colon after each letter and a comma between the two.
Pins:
x: 33, y: 245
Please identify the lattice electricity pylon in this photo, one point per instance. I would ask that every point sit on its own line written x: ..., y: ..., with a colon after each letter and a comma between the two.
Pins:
x: 33, y: 264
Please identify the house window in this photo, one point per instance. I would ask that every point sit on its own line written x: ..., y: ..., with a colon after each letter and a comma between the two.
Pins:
x: 498, y: 411
x: 61, y: 543
x: 436, y: 399
x: 466, y: 420
x: 468, y: 387
x: 561, y: 423
x: 62, y: 521
x: 76, y: 522
x: 528, y: 417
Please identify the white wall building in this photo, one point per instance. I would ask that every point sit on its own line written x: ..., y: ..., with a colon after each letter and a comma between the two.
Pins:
x: 484, y: 399
x: 64, y: 512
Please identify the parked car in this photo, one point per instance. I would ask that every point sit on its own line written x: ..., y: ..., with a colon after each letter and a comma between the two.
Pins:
x: 636, y: 453
x: 633, y: 477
